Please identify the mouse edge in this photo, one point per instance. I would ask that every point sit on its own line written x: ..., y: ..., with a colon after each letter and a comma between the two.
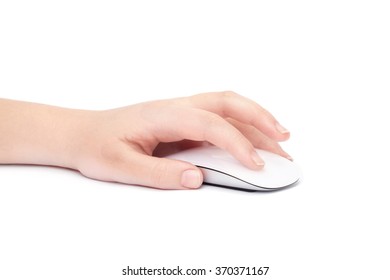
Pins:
x: 251, y: 186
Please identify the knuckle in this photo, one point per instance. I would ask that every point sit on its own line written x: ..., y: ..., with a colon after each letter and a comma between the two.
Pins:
x: 227, y: 94
x: 225, y: 99
x: 237, y: 140
x: 213, y: 121
x: 211, y: 124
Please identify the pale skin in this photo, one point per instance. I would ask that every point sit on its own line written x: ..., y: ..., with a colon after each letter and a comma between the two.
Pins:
x: 126, y: 144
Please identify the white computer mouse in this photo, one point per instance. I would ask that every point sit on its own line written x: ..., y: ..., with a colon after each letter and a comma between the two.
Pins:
x: 222, y: 169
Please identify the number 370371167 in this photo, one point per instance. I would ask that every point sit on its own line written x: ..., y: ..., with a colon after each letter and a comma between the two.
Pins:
x: 241, y: 270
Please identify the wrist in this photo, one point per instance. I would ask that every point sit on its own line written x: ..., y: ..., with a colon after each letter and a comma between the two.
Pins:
x: 40, y: 134
x: 69, y: 138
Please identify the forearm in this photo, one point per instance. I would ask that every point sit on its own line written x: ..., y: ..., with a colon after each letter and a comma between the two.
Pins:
x: 38, y: 134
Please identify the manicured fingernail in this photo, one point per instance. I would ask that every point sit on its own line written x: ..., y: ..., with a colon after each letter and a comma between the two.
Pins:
x: 191, y: 179
x: 281, y: 129
x: 257, y: 160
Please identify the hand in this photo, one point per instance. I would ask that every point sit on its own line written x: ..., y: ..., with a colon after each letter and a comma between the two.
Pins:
x: 121, y: 144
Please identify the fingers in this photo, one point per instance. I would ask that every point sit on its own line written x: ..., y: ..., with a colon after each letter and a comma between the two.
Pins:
x: 258, y: 139
x: 230, y: 104
x: 178, y: 123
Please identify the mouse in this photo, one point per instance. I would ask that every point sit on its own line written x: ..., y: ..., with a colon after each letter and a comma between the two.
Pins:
x: 220, y: 168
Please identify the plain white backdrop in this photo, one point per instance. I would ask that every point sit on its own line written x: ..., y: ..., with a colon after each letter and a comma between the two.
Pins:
x: 321, y: 67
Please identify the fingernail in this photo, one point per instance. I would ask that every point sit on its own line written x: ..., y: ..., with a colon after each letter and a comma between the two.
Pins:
x: 191, y: 179
x: 281, y: 129
x: 257, y: 160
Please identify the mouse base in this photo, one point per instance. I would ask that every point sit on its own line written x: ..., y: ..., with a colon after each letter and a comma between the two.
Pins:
x: 251, y: 190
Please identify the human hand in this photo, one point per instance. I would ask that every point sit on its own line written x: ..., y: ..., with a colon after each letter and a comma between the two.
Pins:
x: 121, y: 144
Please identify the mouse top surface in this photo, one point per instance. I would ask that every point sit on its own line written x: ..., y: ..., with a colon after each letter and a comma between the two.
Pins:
x: 221, y: 168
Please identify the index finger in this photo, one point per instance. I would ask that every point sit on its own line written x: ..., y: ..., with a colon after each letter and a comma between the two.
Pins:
x: 231, y: 104
x: 175, y: 123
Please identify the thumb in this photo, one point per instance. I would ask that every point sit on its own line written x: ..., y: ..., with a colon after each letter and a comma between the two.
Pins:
x: 164, y: 173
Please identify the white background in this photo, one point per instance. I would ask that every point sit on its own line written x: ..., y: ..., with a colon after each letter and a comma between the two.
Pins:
x: 321, y: 67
